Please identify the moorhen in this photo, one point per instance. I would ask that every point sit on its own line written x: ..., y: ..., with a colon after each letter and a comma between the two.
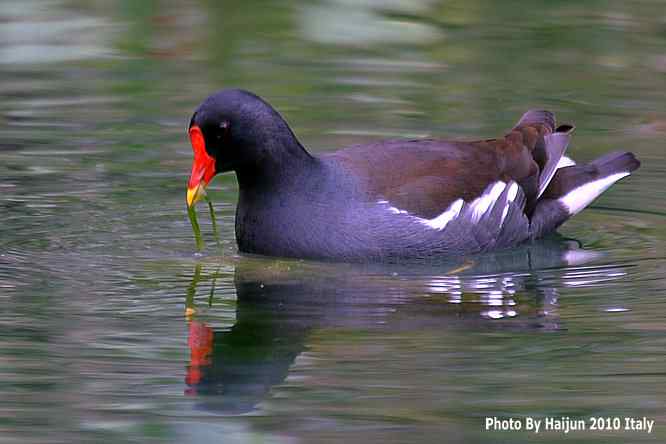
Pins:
x: 391, y: 199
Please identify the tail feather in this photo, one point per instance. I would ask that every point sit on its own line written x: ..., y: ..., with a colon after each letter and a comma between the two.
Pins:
x: 616, y: 162
x: 537, y: 118
x: 568, y: 179
x: 548, y: 144
x: 574, y: 187
x: 579, y: 198
x: 555, y: 146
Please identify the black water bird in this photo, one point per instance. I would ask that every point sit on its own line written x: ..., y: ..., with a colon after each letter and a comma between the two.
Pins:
x: 391, y: 199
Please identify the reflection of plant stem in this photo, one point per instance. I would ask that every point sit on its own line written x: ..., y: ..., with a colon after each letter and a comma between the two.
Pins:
x: 212, y: 286
x: 466, y: 266
x: 190, y: 307
x: 192, y: 290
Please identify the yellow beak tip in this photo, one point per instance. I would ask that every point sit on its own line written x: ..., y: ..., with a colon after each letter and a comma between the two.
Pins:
x: 194, y: 194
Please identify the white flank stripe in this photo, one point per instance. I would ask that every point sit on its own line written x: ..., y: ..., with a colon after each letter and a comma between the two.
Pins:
x: 565, y: 162
x: 441, y: 221
x: 395, y: 210
x: 510, y: 197
x: 481, y: 204
x: 504, y: 213
x: 513, y: 192
x: 578, y: 198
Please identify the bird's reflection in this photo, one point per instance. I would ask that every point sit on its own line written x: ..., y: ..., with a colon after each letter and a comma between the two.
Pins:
x: 278, y: 303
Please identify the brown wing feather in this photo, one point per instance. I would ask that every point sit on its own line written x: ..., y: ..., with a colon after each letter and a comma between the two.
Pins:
x: 425, y: 176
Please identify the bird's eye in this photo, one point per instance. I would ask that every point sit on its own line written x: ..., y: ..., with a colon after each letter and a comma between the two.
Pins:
x: 223, y: 131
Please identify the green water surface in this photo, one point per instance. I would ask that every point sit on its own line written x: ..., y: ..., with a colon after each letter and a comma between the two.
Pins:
x: 112, y: 328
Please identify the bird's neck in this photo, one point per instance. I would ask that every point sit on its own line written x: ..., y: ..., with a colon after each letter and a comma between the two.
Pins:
x: 284, y: 164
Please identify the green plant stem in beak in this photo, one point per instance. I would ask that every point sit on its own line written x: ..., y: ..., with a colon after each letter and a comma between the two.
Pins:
x: 213, y: 220
x: 192, y: 214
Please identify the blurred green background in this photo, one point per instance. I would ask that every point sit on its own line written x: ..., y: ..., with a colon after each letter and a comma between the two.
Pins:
x: 96, y: 253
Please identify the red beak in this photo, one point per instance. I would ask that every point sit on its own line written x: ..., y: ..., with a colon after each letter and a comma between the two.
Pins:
x: 203, y: 167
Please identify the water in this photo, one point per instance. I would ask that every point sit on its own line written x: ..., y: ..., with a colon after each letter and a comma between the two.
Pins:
x: 113, y: 330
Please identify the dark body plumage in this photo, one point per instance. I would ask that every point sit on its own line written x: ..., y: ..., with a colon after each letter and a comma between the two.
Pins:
x: 397, y: 198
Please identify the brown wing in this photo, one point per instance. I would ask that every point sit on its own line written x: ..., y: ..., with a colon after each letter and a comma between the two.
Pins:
x: 425, y: 176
